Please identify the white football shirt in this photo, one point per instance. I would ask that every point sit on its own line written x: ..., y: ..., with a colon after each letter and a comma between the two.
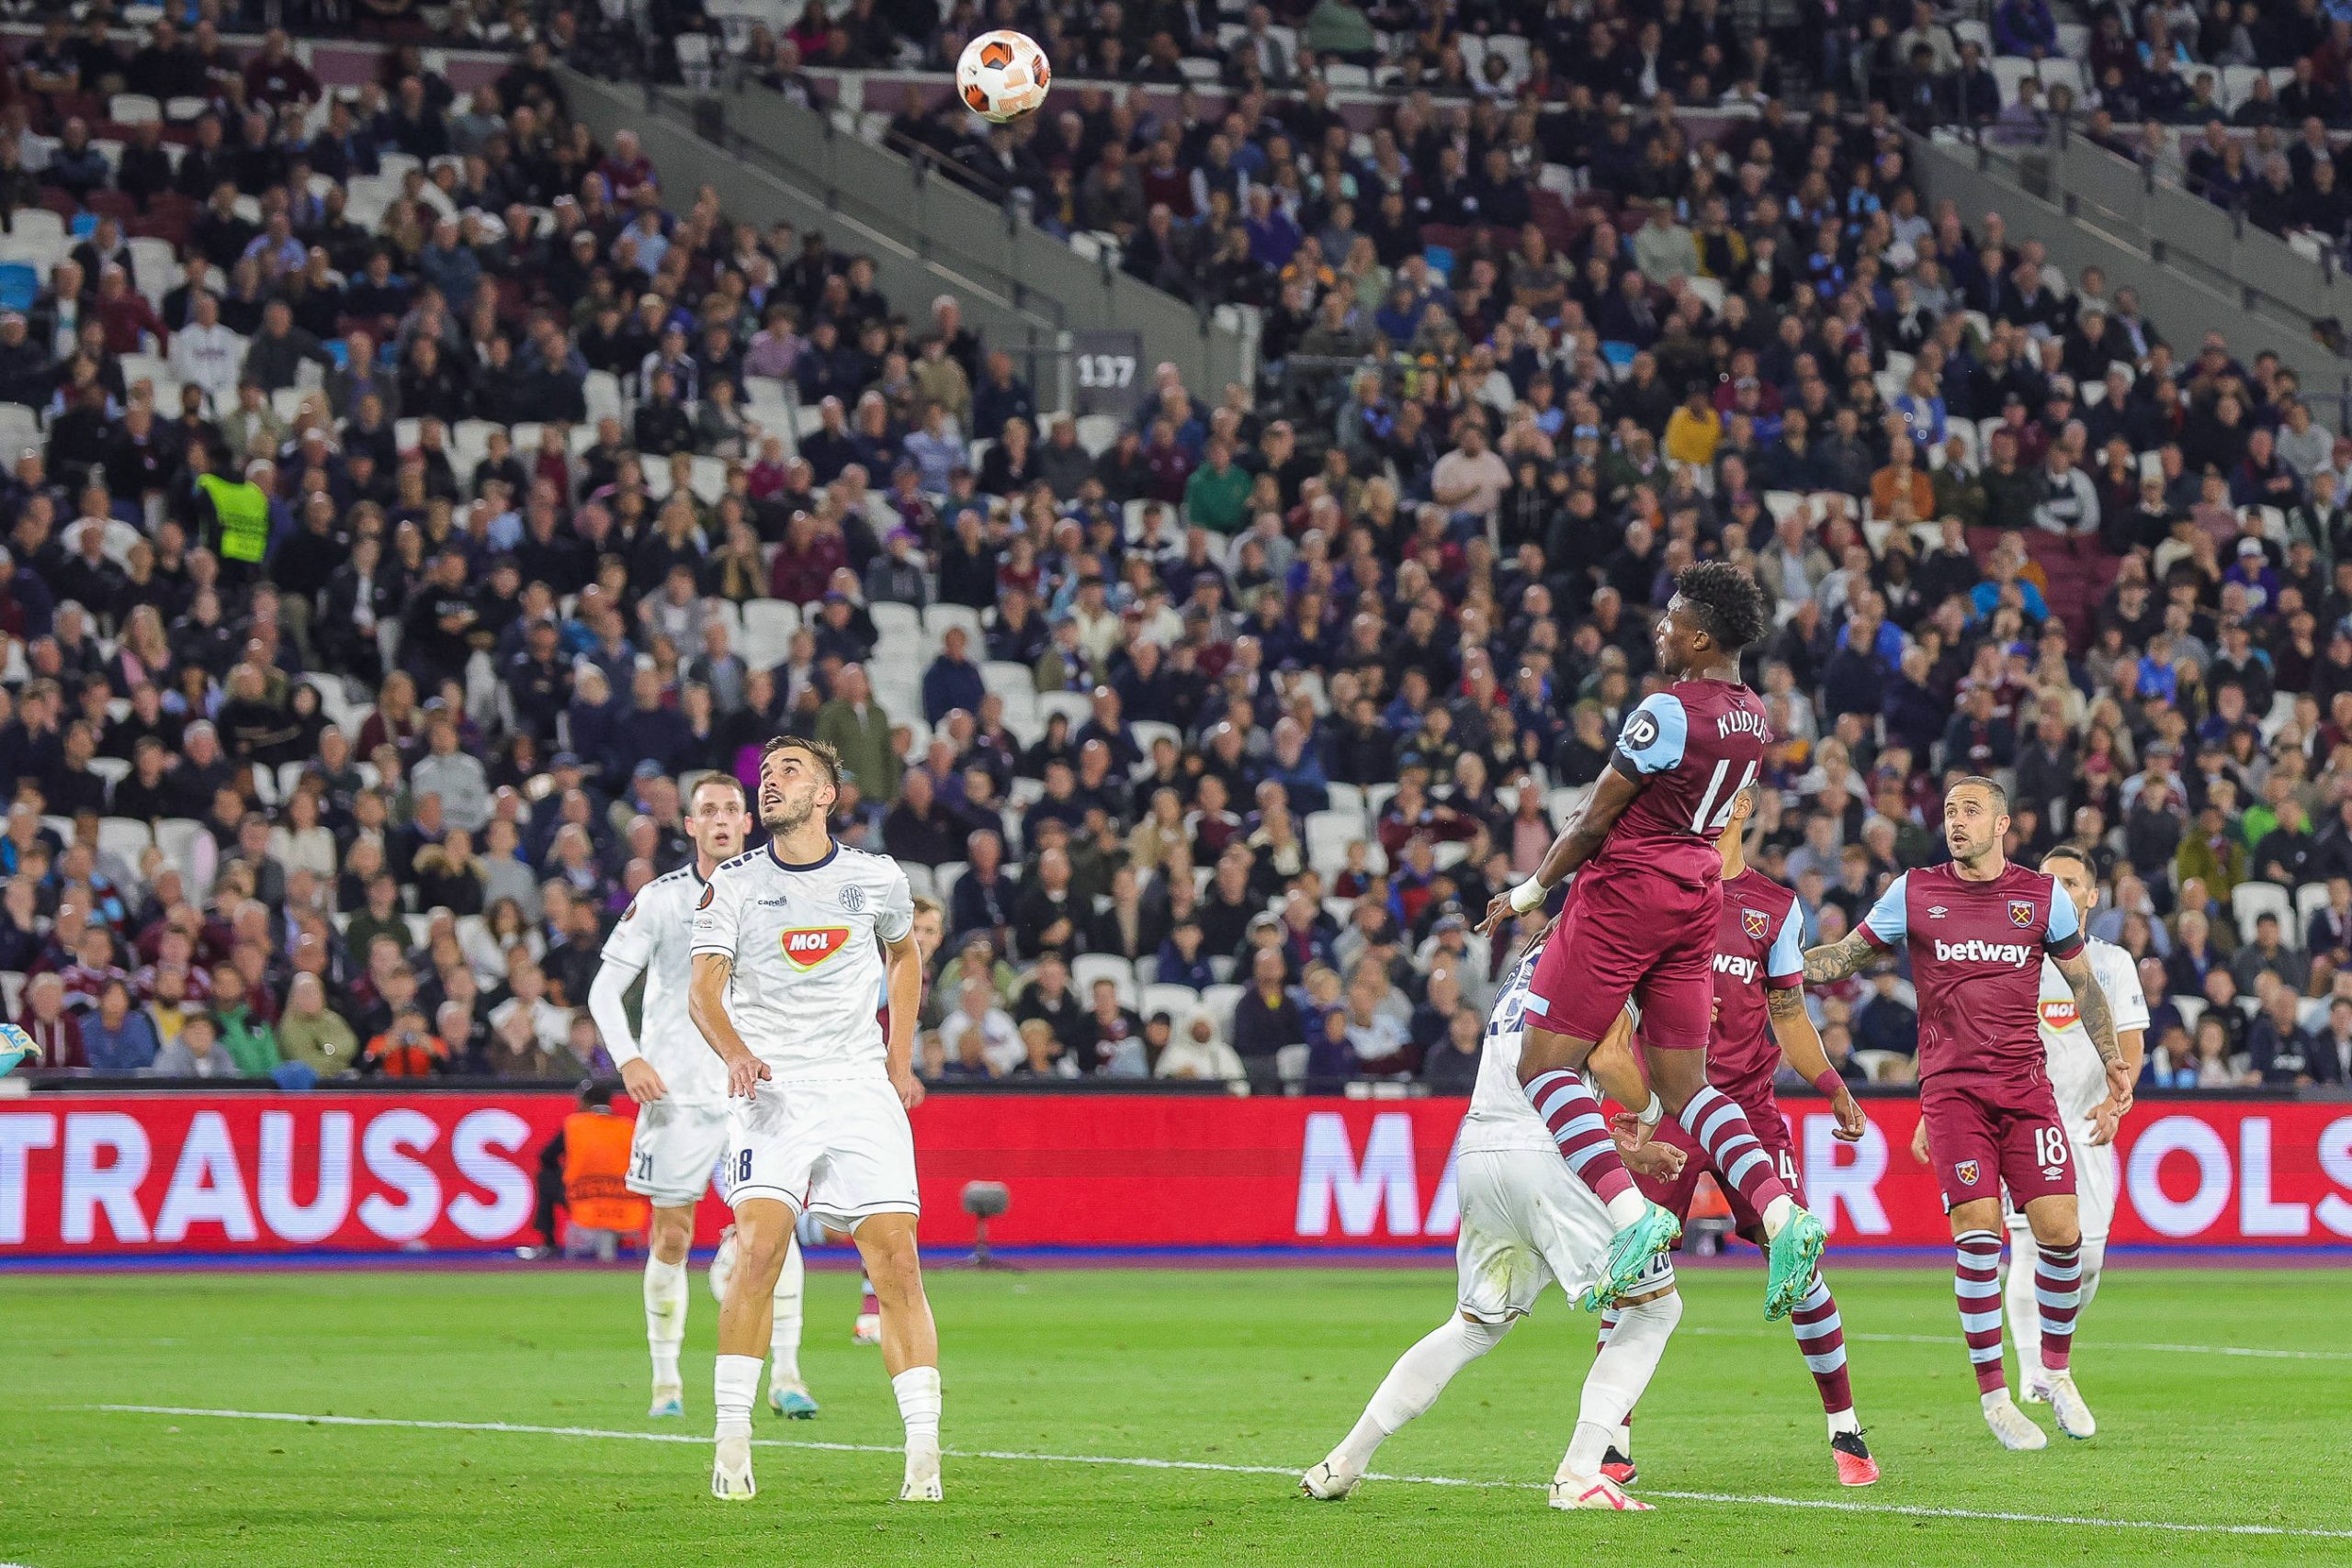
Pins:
x: 653, y: 936
x: 805, y: 944
x: 1499, y: 1116
x: 2077, y: 1078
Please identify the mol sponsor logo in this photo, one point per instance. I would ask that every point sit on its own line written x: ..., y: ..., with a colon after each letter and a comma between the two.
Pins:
x: 2012, y: 954
x: 806, y: 947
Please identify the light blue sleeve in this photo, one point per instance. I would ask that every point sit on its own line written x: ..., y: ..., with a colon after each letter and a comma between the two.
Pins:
x: 2065, y: 926
x: 1654, y: 733
x: 1787, y: 957
x: 1889, y: 920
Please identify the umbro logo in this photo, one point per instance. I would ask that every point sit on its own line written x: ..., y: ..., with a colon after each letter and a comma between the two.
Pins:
x: 1936, y: 911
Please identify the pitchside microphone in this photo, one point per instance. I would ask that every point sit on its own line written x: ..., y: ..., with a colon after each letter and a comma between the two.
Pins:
x: 984, y: 1201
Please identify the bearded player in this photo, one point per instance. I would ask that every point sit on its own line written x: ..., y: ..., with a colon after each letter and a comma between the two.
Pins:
x: 788, y: 954
x: 2079, y: 1084
x: 1641, y: 923
x: 1525, y: 1222
x: 1760, y: 1021
x: 680, y: 1093
x: 1977, y: 931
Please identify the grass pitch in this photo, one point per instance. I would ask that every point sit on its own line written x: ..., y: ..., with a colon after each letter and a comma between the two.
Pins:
x: 1133, y: 1417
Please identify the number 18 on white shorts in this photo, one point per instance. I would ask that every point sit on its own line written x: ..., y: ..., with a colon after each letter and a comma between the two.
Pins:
x: 837, y: 1149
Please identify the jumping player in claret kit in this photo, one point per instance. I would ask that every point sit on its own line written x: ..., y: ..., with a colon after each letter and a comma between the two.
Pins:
x: 1760, y: 1021
x: 1640, y: 924
x: 1977, y: 931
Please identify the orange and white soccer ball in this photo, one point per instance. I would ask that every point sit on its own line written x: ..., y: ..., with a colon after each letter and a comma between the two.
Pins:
x: 1002, y: 76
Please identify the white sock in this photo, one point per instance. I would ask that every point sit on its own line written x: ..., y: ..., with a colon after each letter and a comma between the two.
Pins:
x: 665, y: 1317
x: 1844, y: 1421
x: 2093, y: 1259
x: 1420, y: 1375
x: 734, y: 1384
x: 1619, y: 1375
x: 1627, y: 1207
x: 1777, y: 1214
x: 784, y: 1331
x: 918, y: 1392
x: 1996, y: 1397
x: 2024, y: 1322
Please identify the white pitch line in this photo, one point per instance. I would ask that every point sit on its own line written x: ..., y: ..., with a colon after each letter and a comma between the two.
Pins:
x: 2247, y: 1350
x: 1286, y: 1472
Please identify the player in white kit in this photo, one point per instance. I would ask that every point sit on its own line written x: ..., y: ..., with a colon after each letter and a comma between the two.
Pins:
x: 789, y: 945
x: 1527, y: 1221
x: 2078, y: 1082
x: 680, y: 1093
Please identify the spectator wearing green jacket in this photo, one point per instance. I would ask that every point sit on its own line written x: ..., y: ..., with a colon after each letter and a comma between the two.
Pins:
x: 248, y: 1039
x: 314, y: 1034
x: 1218, y: 495
x: 855, y: 726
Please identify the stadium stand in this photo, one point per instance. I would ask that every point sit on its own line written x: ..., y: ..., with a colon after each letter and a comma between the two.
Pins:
x: 414, y: 492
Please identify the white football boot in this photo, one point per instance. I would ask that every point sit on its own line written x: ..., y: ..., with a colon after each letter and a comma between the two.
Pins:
x: 1331, y: 1481
x: 1571, y: 1491
x: 2016, y: 1430
x: 922, y: 1484
x: 730, y: 1472
x: 2067, y: 1403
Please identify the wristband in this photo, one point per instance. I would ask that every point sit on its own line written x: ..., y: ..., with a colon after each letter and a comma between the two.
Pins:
x: 1650, y: 1115
x: 1828, y: 1082
x: 1528, y: 894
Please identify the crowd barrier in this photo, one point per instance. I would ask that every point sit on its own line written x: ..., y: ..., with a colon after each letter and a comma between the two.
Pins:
x: 85, y: 1175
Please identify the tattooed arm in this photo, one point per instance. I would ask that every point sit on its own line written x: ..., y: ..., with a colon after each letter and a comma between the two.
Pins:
x: 2099, y: 1022
x: 1823, y: 966
x: 1801, y: 1047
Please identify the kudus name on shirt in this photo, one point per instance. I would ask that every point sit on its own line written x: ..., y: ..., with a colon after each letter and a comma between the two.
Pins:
x: 1739, y: 721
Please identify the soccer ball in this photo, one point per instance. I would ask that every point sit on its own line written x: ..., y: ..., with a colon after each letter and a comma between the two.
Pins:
x: 1002, y: 76
x: 16, y: 1045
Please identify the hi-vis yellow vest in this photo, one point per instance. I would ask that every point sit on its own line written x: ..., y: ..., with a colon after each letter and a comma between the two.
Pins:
x: 244, y: 511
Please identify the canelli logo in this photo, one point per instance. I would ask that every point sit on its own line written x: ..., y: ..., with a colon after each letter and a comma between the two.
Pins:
x: 807, y: 947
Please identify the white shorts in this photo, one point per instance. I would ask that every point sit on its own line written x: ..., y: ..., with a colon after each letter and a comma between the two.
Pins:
x: 1527, y: 1221
x: 2095, y: 1179
x: 839, y: 1150
x: 676, y: 1152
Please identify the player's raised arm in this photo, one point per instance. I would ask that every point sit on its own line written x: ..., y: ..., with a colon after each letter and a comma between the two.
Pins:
x: 1581, y: 839
x: 1886, y: 923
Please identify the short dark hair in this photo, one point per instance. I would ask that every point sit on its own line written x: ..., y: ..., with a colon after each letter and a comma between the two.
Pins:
x: 2072, y: 851
x: 1729, y: 604
x: 724, y: 780
x: 1991, y: 788
x: 825, y: 754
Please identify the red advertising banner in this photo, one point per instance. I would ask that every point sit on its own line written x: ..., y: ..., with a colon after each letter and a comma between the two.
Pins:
x: 170, y: 1174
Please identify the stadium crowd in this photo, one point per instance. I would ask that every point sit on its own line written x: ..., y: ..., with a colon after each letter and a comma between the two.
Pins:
x: 414, y: 495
